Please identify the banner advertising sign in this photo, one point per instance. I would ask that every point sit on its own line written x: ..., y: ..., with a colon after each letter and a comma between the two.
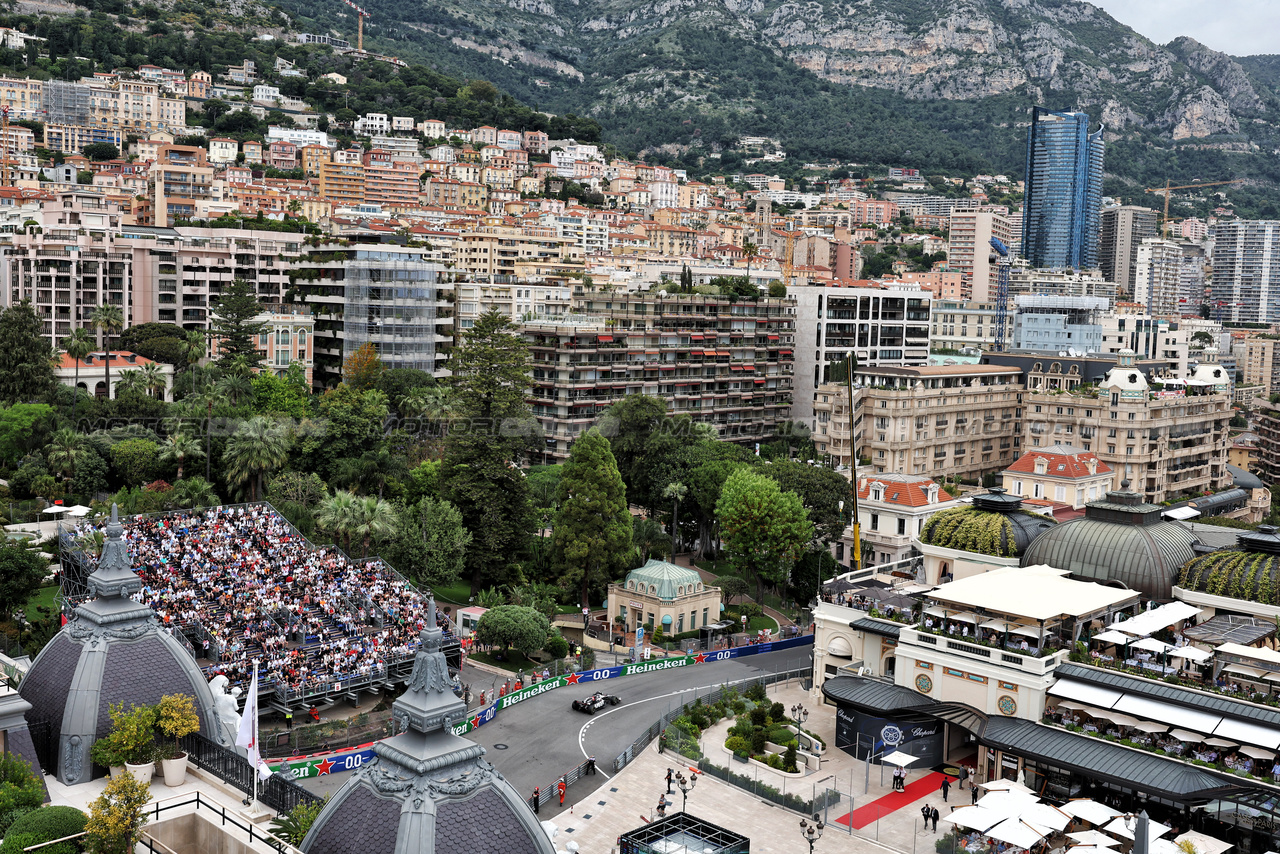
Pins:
x: 333, y: 763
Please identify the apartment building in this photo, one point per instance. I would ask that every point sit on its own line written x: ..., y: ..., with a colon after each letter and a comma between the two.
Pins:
x: 1051, y: 324
x: 287, y: 338
x: 1157, y: 283
x: 383, y: 294
x: 970, y: 249
x: 938, y: 420
x: 878, y: 325
x: 1261, y: 363
x: 1124, y: 228
x: 967, y: 325
x: 1025, y: 279
x: 1059, y: 473
x: 892, y: 510
x: 341, y: 183
x: 1167, y: 436
x: 521, y: 301
x: 1267, y: 425
x: 722, y: 362
x: 179, y: 186
x: 1246, y: 271
x: 83, y: 257
x: 1156, y: 339
x: 524, y: 253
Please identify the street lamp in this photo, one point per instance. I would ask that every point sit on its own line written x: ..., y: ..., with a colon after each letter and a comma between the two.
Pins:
x: 685, y: 786
x: 811, y: 832
x: 799, y: 714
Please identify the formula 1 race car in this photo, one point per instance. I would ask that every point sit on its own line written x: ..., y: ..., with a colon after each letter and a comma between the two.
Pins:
x: 595, y: 703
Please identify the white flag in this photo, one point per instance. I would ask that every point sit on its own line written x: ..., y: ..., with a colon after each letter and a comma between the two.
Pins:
x: 247, y: 737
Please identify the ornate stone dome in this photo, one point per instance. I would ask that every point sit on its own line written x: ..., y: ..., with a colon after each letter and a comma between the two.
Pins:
x: 427, y: 790
x: 1249, y: 571
x: 113, y: 650
x: 995, y: 525
x: 1121, y: 540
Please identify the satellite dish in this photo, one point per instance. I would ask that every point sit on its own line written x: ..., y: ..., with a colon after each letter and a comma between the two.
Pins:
x: 1062, y: 352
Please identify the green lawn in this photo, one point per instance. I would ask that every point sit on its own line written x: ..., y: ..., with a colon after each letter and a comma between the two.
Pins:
x: 454, y: 593
x: 755, y: 624
x: 43, y: 598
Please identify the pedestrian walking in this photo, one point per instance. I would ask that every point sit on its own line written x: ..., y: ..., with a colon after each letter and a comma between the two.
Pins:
x: 927, y: 812
x: 537, y: 796
x: 591, y: 765
x: 561, y: 786
x: 662, y: 806
x: 964, y: 774
x: 933, y: 814
x: 946, y: 787
x: 973, y: 791
x: 669, y: 776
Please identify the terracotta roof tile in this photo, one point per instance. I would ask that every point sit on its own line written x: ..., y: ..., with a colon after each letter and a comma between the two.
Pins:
x: 1060, y: 461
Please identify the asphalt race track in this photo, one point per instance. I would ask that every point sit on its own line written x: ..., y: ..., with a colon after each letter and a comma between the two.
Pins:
x: 543, y: 737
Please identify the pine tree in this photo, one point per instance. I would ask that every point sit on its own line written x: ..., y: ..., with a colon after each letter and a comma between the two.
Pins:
x: 234, y: 327
x: 492, y: 427
x: 26, y: 375
x: 593, y: 526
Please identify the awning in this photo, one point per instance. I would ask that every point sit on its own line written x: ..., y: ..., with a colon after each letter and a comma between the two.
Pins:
x: 1154, y: 829
x: 1027, y: 631
x: 1017, y: 832
x: 1203, y: 843
x: 1257, y: 752
x: 1118, y: 718
x: 1218, y: 742
x: 1150, y: 727
x: 1251, y: 672
x: 605, y: 338
x: 1111, y: 637
x: 1179, y: 716
x: 1091, y: 694
x: 1151, y: 644
x: 899, y: 758
x: 1072, y: 705
x: 973, y: 817
x: 1094, y: 837
x: 1089, y: 810
x: 1242, y: 732
x: 1191, y: 653
x: 1186, y: 736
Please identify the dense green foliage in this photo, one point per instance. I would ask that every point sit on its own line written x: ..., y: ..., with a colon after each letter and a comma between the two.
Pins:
x: 593, y: 525
x: 45, y: 825
x: 516, y: 627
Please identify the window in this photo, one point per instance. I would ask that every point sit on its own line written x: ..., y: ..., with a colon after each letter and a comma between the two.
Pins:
x: 1017, y: 487
x: 875, y: 521
x: 1059, y: 493
x: 693, y: 620
x: 902, y: 527
x: 704, y: 616
x: 1038, y: 490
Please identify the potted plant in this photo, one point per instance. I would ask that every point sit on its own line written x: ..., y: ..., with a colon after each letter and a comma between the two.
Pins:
x: 116, y: 818
x: 135, y: 729
x: 109, y: 753
x: 176, y: 717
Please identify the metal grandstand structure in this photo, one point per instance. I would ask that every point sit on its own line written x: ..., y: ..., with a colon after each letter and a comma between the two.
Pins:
x: 78, y: 564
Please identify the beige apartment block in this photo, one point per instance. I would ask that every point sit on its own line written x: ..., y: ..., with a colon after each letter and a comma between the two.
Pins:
x: 938, y: 420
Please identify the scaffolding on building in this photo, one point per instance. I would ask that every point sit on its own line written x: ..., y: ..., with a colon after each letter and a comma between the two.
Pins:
x: 391, y: 303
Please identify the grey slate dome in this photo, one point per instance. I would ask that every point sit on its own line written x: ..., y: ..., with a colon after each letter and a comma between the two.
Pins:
x: 112, y: 650
x: 427, y: 790
x: 995, y: 525
x: 1121, y: 541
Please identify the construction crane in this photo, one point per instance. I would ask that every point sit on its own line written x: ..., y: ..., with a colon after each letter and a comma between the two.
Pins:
x: 361, y: 14
x: 1001, y: 259
x: 1166, y: 189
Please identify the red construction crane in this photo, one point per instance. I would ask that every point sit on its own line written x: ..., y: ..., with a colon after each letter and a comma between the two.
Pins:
x: 361, y: 14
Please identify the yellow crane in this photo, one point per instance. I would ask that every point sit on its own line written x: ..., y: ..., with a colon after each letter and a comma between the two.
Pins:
x: 1166, y: 189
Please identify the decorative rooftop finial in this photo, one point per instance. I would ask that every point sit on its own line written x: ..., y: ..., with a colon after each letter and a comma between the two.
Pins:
x: 114, y: 578
x: 428, y: 702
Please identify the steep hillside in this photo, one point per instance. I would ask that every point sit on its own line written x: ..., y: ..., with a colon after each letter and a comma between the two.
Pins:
x: 861, y: 79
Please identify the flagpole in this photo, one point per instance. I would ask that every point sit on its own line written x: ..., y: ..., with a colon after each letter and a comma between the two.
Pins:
x: 257, y: 748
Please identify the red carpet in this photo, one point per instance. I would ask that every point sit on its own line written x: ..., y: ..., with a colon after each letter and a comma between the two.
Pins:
x: 894, y: 801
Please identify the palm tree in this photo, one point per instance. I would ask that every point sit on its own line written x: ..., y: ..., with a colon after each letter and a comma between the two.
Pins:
x: 370, y: 469
x: 648, y: 536
x: 259, y: 446
x: 108, y: 319
x: 193, y: 491
x: 750, y: 250
x: 337, y: 515
x: 129, y: 381
x: 179, y: 448
x: 64, y: 451
x: 235, y: 387
x: 194, y: 348
x: 431, y: 403
x: 77, y: 345
x: 375, y: 519
x: 152, y: 379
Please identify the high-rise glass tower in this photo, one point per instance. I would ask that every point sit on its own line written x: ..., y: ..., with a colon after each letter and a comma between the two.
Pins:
x: 1061, y: 220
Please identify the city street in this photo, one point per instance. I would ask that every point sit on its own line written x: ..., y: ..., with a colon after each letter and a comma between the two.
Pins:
x: 541, y: 738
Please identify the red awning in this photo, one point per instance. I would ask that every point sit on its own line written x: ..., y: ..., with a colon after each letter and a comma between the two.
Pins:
x: 759, y: 382
x: 748, y: 367
x: 784, y: 352
x: 771, y: 338
x: 696, y: 337
x: 609, y: 338
x: 735, y: 367
x: 665, y: 368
